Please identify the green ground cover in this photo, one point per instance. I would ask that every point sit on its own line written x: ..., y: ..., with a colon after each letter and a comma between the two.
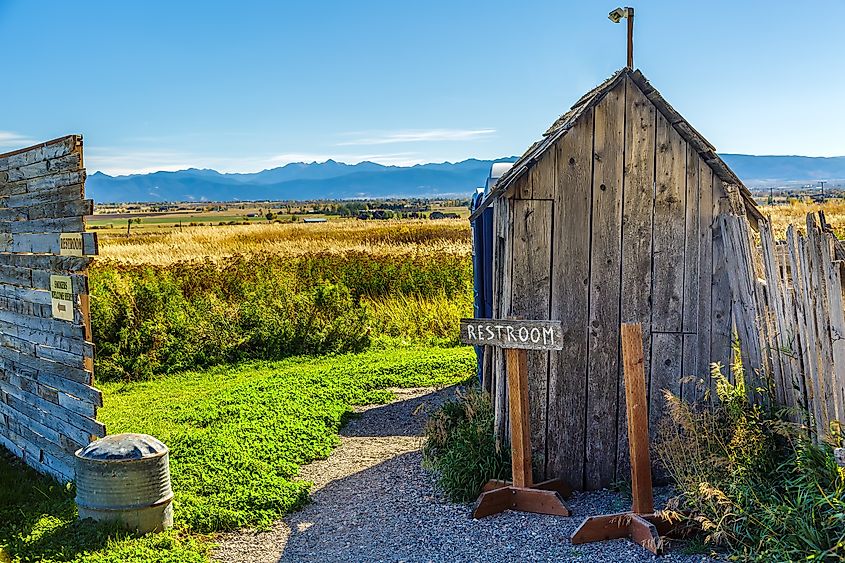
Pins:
x: 238, y: 435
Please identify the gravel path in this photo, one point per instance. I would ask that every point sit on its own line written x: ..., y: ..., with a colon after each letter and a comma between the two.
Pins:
x: 372, y: 501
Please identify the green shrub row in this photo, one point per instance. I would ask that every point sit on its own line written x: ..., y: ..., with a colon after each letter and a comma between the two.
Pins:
x: 150, y: 320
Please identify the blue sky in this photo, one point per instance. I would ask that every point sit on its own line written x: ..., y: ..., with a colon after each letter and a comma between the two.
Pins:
x: 243, y: 86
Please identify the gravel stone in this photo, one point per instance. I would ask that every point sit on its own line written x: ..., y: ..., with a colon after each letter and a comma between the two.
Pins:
x: 373, y: 501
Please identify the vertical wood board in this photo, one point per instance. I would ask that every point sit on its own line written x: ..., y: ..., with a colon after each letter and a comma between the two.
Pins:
x: 605, y: 263
x: 569, y: 294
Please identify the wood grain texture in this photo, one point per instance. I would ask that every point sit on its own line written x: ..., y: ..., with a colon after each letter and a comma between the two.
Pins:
x: 530, y: 299
x: 794, y: 331
x: 669, y: 223
x: 517, y: 366
x: 48, y: 402
x: 502, y: 308
x: 720, y: 288
x: 605, y: 264
x: 666, y: 349
x: 705, y: 280
x: 692, y: 279
x: 543, y: 176
x: 633, y: 363
x: 569, y: 293
x: 637, y: 207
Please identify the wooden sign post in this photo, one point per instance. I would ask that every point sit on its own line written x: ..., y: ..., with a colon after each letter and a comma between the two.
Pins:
x: 517, y: 336
x: 642, y: 524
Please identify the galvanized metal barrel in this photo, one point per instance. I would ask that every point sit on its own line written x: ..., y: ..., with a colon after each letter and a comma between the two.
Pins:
x: 125, y: 478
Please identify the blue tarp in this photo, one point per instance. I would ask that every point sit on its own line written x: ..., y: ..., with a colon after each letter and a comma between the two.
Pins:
x: 482, y: 268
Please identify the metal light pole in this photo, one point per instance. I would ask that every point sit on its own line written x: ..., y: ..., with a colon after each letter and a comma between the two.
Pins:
x: 627, y: 13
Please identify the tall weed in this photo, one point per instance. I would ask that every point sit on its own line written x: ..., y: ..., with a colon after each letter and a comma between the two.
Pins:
x: 461, y: 446
x: 755, y: 483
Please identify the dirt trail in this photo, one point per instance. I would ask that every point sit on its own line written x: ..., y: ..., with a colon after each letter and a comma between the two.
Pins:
x: 372, y: 501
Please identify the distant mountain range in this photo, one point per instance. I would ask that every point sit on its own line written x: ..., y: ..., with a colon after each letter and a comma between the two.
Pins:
x: 765, y: 171
x: 336, y: 180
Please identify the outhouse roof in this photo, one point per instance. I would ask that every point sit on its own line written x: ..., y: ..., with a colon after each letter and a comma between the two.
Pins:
x: 589, y: 100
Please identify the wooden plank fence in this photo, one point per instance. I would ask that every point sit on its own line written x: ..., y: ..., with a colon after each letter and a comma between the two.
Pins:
x: 789, y: 313
x: 48, y: 404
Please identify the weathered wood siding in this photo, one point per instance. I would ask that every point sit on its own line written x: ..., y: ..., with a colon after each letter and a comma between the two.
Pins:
x: 48, y: 405
x: 612, y: 225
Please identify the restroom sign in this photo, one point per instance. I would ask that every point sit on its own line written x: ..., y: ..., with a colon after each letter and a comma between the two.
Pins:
x: 527, y: 335
x: 70, y: 244
x: 61, y: 297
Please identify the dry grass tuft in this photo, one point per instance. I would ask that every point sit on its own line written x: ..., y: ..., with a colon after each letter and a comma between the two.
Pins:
x: 795, y: 213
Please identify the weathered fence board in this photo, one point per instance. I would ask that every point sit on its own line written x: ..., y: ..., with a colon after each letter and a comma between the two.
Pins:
x: 791, y: 320
x: 48, y: 404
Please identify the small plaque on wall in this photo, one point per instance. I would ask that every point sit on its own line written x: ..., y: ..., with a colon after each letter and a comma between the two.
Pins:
x: 61, y: 297
x: 70, y: 244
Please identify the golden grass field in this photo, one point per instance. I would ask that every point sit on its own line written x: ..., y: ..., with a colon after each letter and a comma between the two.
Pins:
x: 795, y: 213
x: 397, y: 238
x: 383, y: 238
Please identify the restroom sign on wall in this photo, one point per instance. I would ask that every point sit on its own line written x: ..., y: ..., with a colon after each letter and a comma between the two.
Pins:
x: 61, y: 297
x: 70, y: 244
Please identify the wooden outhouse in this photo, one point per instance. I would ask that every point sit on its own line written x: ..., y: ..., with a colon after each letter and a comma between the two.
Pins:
x: 609, y: 218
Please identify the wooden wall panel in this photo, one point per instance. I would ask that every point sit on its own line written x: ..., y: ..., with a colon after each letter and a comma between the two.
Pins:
x: 691, y: 285
x: 569, y: 293
x: 631, y: 219
x: 543, y: 176
x: 48, y: 404
x: 605, y: 263
x: 522, y: 187
x: 530, y: 300
x: 669, y: 223
x: 705, y: 277
x: 720, y: 299
x: 637, y: 208
x: 503, y: 270
x: 666, y: 351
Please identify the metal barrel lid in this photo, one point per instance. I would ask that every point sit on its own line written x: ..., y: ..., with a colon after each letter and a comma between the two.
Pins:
x: 123, y: 447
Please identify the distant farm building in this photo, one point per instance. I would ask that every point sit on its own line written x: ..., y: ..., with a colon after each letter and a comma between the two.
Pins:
x: 314, y: 220
x: 379, y: 214
x: 442, y: 215
x: 607, y: 219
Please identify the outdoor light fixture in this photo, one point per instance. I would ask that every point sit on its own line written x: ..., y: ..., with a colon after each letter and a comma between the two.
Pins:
x: 616, y: 16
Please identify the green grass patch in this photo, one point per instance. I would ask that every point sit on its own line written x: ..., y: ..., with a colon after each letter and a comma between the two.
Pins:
x: 237, y: 434
x: 38, y: 523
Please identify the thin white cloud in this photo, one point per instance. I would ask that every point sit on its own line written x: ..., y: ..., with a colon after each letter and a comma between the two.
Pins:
x: 417, y: 136
x: 10, y: 139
